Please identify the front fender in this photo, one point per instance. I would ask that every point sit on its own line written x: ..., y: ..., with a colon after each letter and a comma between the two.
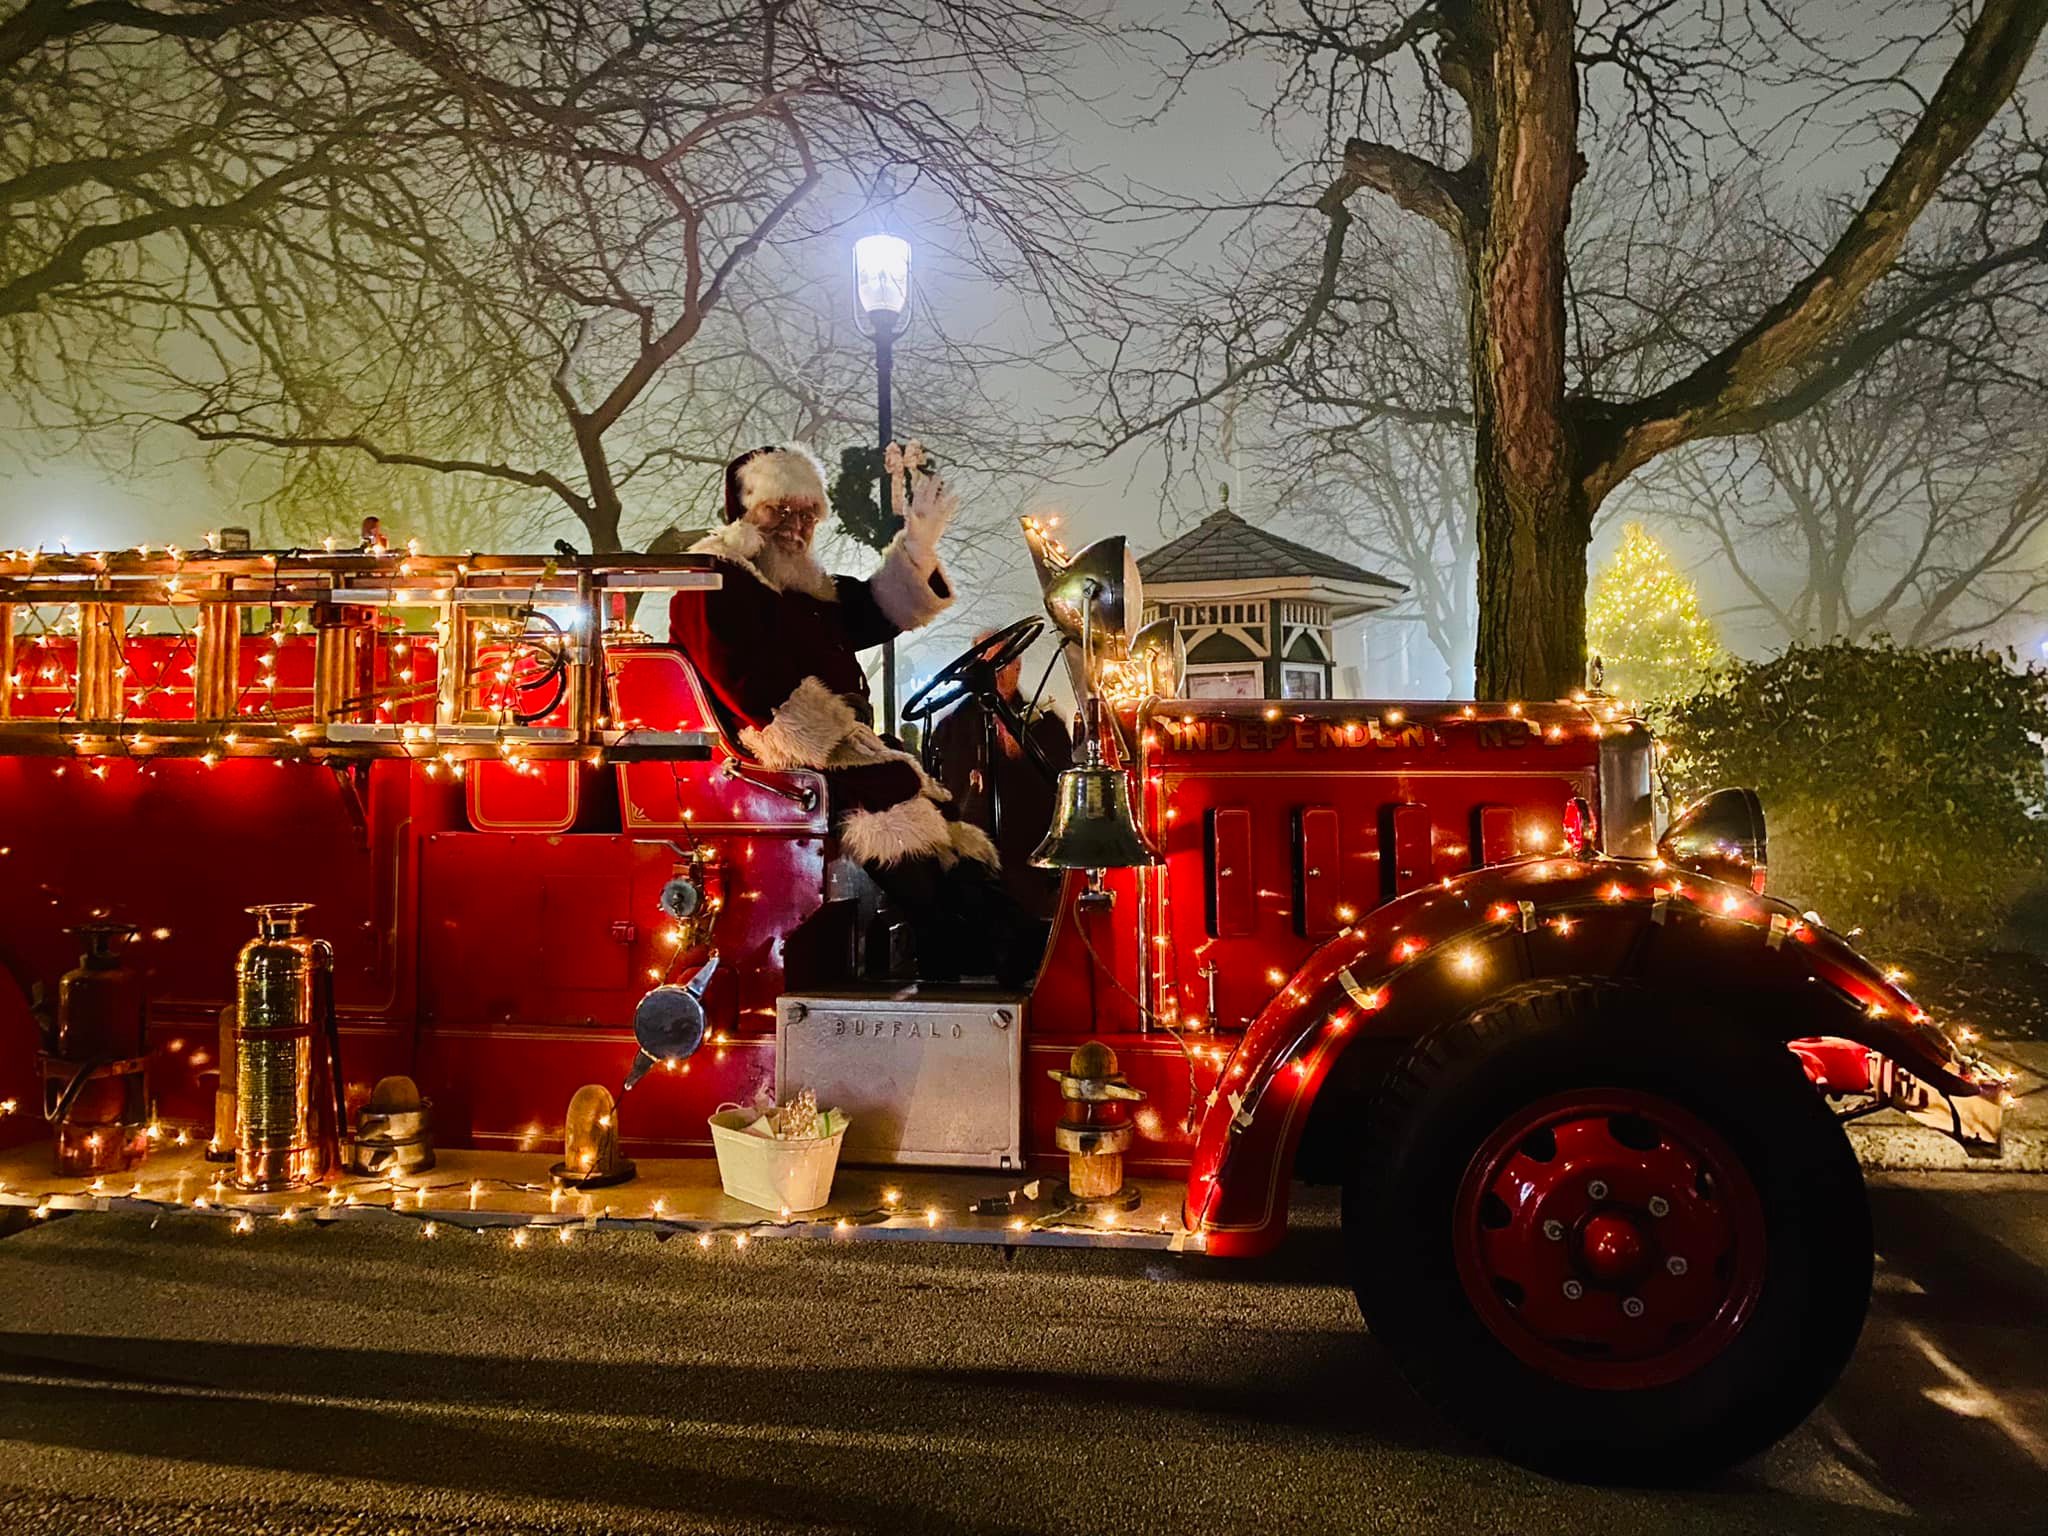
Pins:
x: 1442, y: 951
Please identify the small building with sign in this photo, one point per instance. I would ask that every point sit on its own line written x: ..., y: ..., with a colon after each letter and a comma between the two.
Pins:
x: 1258, y: 613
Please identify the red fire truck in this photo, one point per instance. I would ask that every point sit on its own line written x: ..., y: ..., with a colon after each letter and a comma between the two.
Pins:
x: 1582, y: 1084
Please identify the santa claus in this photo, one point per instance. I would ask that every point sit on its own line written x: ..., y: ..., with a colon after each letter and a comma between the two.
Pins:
x: 777, y: 646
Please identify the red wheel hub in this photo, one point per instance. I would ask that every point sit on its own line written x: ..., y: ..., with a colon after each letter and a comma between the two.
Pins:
x: 1611, y: 1247
x: 1610, y: 1238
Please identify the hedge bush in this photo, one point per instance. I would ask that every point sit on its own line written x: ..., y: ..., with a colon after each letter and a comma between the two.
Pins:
x: 1904, y: 790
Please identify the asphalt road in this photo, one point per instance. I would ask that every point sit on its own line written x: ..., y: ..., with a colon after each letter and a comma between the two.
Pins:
x: 183, y: 1379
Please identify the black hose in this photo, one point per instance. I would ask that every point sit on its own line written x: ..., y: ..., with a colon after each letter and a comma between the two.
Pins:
x: 557, y: 672
x: 76, y: 1086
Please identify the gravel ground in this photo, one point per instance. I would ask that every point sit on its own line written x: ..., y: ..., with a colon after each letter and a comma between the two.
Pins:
x: 359, y: 1381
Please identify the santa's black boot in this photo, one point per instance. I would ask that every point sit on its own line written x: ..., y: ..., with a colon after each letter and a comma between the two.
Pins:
x: 1003, y: 940
x: 920, y: 891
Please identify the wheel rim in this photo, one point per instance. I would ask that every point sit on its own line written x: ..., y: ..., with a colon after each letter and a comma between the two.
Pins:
x: 1610, y: 1238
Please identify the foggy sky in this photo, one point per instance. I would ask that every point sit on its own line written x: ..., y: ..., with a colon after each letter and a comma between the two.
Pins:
x: 1210, y: 145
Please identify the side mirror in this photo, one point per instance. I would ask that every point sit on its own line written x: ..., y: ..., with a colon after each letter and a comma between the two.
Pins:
x: 1720, y: 835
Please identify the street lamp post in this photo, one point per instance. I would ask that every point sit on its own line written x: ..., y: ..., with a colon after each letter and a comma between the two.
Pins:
x: 881, y: 293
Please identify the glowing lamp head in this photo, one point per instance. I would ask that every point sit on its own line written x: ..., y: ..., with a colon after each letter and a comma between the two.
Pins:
x: 881, y: 279
x: 590, y: 1142
x: 1098, y: 591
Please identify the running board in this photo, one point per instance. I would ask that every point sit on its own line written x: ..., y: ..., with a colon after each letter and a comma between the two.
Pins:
x: 511, y: 1196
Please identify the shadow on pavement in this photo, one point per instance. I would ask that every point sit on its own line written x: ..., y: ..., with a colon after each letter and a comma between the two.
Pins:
x: 1277, y: 1414
x: 1942, y: 1407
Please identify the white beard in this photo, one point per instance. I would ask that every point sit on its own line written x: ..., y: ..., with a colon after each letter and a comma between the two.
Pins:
x: 792, y: 570
x: 783, y: 569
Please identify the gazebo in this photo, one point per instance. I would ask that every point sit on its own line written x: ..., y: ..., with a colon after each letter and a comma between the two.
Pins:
x: 1257, y: 612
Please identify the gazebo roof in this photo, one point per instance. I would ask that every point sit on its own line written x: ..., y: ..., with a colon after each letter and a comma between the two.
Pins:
x: 1224, y: 547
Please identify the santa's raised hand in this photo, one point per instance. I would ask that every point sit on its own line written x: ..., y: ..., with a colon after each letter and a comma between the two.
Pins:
x: 931, y: 510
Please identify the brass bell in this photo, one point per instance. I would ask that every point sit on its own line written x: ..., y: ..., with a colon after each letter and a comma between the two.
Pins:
x: 1093, y: 826
x: 590, y: 1142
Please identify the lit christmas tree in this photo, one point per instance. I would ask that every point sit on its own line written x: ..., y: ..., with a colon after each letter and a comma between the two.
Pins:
x: 1643, y: 621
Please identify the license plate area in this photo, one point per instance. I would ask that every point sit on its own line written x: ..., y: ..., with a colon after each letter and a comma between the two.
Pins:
x: 928, y: 1080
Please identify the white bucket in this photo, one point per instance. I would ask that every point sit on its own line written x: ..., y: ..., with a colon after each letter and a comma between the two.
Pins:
x: 775, y: 1175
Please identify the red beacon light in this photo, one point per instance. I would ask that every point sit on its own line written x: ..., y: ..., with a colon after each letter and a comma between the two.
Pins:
x: 1581, y: 828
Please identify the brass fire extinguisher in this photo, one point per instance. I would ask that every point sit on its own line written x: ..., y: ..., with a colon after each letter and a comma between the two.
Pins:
x: 286, y: 1051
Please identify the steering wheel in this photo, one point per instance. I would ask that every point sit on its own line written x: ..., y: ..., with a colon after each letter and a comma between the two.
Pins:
x: 974, y: 670
x: 973, y: 673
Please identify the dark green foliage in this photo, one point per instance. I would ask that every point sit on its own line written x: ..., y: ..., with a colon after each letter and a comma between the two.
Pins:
x: 1904, y: 789
x: 855, y: 502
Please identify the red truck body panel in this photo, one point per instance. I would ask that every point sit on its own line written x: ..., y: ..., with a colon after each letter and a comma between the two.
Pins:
x: 494, y: 928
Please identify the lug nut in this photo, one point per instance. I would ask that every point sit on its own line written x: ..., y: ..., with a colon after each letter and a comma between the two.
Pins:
x: 1659, y: 1206
x: 1676, y: 1264
x: 1597, y: 1189
x: 1573, y: 1290
x: 1632, y: 1305
x: 1554, y: 1230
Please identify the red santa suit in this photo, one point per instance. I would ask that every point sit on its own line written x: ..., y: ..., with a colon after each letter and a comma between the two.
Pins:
x: 777, y: 645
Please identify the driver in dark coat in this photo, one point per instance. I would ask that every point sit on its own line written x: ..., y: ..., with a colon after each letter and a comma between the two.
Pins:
x: 776, y: 646
x: 996, y: 786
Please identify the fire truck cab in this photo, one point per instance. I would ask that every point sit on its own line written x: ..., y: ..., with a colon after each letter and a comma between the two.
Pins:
x: 1579, y: 1075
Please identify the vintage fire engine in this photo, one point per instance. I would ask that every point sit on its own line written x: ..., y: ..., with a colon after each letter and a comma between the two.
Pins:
x: 1581, y: 1084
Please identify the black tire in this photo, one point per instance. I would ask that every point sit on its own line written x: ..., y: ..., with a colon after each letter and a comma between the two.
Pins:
x: 1462, y: 1083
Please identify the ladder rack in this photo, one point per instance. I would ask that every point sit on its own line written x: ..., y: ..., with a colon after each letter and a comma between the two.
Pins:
x: 393, y: 654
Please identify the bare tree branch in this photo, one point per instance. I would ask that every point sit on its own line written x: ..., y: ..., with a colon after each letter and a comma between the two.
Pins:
x: 1793, y: 331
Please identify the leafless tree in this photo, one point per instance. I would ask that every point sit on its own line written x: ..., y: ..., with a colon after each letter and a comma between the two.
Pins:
x: 1903, y: 503
x: 1482, y: 117
x: 1396, y: 497
x: 542, y: 245
x: 1392, y: 490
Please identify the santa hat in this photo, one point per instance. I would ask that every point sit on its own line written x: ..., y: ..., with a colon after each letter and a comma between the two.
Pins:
x: 779, y: 472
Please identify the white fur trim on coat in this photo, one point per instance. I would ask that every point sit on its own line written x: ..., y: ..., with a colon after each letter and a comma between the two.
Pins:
x: 915, y: 829
x: 805, y: 731
x: 902, y: 585
x: 741, y: 544
x: 861, y: 746
x: 816, y: 728
x: 970, y: 842
x: 787, y: 472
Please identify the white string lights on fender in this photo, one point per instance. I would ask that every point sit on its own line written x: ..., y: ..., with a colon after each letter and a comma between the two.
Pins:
x: 1295, y: 1064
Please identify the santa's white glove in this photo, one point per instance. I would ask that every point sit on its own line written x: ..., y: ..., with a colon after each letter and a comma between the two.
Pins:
x: 925, y: 520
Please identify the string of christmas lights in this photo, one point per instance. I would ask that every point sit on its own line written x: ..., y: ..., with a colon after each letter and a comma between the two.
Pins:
x: 417, y: 1204
x: 1643, y: 619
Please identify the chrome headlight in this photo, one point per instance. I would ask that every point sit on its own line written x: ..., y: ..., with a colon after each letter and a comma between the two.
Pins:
x: 1720, y: 835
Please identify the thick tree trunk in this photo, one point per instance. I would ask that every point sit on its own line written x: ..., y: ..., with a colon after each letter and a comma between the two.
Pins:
x: 1534, y: 516
x: 601, y: 522
x: 1532, y: 579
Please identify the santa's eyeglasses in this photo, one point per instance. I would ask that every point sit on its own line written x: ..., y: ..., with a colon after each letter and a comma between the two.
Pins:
x: 805, y: 514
